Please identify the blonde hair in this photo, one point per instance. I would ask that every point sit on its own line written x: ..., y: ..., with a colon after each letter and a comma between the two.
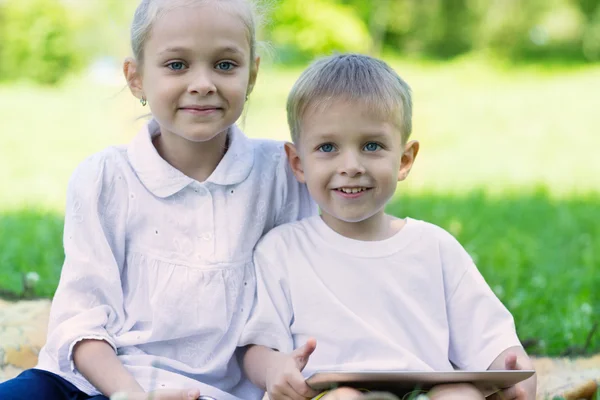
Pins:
x: 352, y: 77
x: 148, y: 11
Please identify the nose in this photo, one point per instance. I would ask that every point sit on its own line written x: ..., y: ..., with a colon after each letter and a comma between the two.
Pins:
x: 202, y: 82
x: 351, y: 164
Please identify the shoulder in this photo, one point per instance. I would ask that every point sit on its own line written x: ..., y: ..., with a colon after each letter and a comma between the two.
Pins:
x: 269, y: 155
x: 286, y: 237
x: 100, y: 168
x: 436, y: 236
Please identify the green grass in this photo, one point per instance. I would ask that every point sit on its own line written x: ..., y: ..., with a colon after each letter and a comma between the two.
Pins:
x: 490, y: 138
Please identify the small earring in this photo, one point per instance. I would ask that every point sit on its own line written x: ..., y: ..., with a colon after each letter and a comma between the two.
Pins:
x: 246, y: 97
x: 143, y: 101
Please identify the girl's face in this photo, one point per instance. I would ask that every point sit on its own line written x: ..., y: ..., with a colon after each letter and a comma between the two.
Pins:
x: 196, y: 71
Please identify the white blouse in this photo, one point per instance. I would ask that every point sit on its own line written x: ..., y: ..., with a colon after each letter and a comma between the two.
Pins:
x: 159, y: 265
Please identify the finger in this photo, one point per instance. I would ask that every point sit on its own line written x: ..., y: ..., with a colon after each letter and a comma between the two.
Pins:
x: 298, y: 385
x: 301, y: 354
x: 286, y: 392
x: 510, y: 362
x: 191, y: 394
x: 511, y: 393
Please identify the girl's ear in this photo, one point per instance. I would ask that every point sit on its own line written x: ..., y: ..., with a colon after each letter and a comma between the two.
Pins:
x: 133, y: 76
x: 253, y: 75
x: 295, y: 162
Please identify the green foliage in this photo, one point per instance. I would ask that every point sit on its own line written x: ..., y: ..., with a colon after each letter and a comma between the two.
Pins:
x: 37, y: 41
x: 302, y: 29
x: 31, y: 242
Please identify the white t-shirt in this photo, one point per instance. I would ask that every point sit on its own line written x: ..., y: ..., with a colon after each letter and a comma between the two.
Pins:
x: 160, y: 265
x: 414, y: 301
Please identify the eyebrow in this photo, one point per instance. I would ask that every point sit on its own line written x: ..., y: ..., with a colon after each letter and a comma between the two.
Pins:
x: 364, y: 135
x: 181, y: 49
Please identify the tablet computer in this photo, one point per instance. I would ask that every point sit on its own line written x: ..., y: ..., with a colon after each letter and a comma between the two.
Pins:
x: 400, y: 382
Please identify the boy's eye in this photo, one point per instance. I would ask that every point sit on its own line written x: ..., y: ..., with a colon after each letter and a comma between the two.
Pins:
x: 326, y: 148
x: 225, y: 65
x: 176, y: 65
x: 372, y: 146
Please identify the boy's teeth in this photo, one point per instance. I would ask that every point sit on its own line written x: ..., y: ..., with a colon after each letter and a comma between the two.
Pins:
x: 351, y: 190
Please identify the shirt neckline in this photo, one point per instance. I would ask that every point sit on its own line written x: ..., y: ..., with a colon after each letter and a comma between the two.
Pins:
x: 164, y: 180
x: 366, y: 249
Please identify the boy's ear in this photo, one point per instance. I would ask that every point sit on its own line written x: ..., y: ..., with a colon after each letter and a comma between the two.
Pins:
x: 411, y: 149
x: 295, y: 162
x: 133, y: 76
x: 253, y: 75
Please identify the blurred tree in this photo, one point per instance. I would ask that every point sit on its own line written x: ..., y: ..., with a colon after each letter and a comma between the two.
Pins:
x: 302, y: 29
x: 38, y: 41
x: 591, y: 32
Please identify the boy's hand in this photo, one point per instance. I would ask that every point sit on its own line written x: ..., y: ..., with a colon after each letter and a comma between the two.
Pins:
x: 515, y: 392
x: 284, y: 379
x: 165, y: 394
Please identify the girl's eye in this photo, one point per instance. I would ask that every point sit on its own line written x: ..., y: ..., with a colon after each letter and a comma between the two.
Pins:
x: 372, y: 146
x: 326, y: 148
x: 176, y: 65
x: 225, y: 66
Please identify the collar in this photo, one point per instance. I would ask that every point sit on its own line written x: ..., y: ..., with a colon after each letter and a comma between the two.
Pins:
x: 164, y: 180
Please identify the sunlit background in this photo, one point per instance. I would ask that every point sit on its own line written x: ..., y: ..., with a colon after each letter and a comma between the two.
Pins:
x: 507, y: 110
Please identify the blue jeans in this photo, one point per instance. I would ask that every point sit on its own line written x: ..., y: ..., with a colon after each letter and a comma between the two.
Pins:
x: 34, y: 384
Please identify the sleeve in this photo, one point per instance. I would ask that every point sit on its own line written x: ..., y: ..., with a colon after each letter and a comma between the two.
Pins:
x: 480, y: 326
x: 88, y: 303
x: 295, y: 202
x: 272, y: 313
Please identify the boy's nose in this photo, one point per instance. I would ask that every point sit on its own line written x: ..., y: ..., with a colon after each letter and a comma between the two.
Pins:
x: 351, y: 164
x: 202, y: 83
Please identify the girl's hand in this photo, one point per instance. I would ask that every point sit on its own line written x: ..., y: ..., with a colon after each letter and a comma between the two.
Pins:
x: 515, y: 392
x: 165, y: 394
x: 284, y: 379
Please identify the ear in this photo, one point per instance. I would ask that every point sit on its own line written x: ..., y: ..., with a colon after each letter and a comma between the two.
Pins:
x: 295, y: 162
x: 133, y: 76
x: 253, y: 75
x: 411, y: 149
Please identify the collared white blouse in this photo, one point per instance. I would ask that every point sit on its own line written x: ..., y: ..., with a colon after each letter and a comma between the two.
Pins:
x: 160, y: 265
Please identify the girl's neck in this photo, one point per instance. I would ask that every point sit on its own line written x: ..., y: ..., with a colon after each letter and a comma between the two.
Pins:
x: 197, y: 160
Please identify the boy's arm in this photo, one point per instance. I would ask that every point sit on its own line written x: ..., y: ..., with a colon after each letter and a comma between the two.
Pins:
x: 280, y: 374
x: 515, y: 358
x: 257, y: 361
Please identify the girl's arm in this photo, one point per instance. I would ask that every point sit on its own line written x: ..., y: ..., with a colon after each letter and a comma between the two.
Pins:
x: 97, y: 362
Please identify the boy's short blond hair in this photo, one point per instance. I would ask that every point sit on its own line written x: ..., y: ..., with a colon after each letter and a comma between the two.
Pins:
x: 352, y: 77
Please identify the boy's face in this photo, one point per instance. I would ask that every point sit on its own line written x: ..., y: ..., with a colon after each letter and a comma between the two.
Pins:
x: 350, y: 160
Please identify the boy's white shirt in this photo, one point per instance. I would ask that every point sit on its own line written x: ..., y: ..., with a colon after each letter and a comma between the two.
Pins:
x: 160, y: 265
x: 415, y: 301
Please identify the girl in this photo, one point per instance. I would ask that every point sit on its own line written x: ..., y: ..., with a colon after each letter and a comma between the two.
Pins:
x: 157, y: 280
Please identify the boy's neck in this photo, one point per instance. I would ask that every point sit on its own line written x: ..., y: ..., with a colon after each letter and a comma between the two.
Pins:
x: 197, y: 160
x: 380, y: 226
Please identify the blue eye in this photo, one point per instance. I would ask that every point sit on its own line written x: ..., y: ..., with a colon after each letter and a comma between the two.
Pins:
x: 372, y: 146
x: 176, y: 65
x: 225, y: 66
x: 326, y: 148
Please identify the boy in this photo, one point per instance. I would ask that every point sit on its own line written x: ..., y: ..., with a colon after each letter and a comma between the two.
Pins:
x: 375, y: 291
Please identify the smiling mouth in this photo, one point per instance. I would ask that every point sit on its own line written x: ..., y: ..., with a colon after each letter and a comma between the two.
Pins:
x: 352, y: 190
x: 200, y: 109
